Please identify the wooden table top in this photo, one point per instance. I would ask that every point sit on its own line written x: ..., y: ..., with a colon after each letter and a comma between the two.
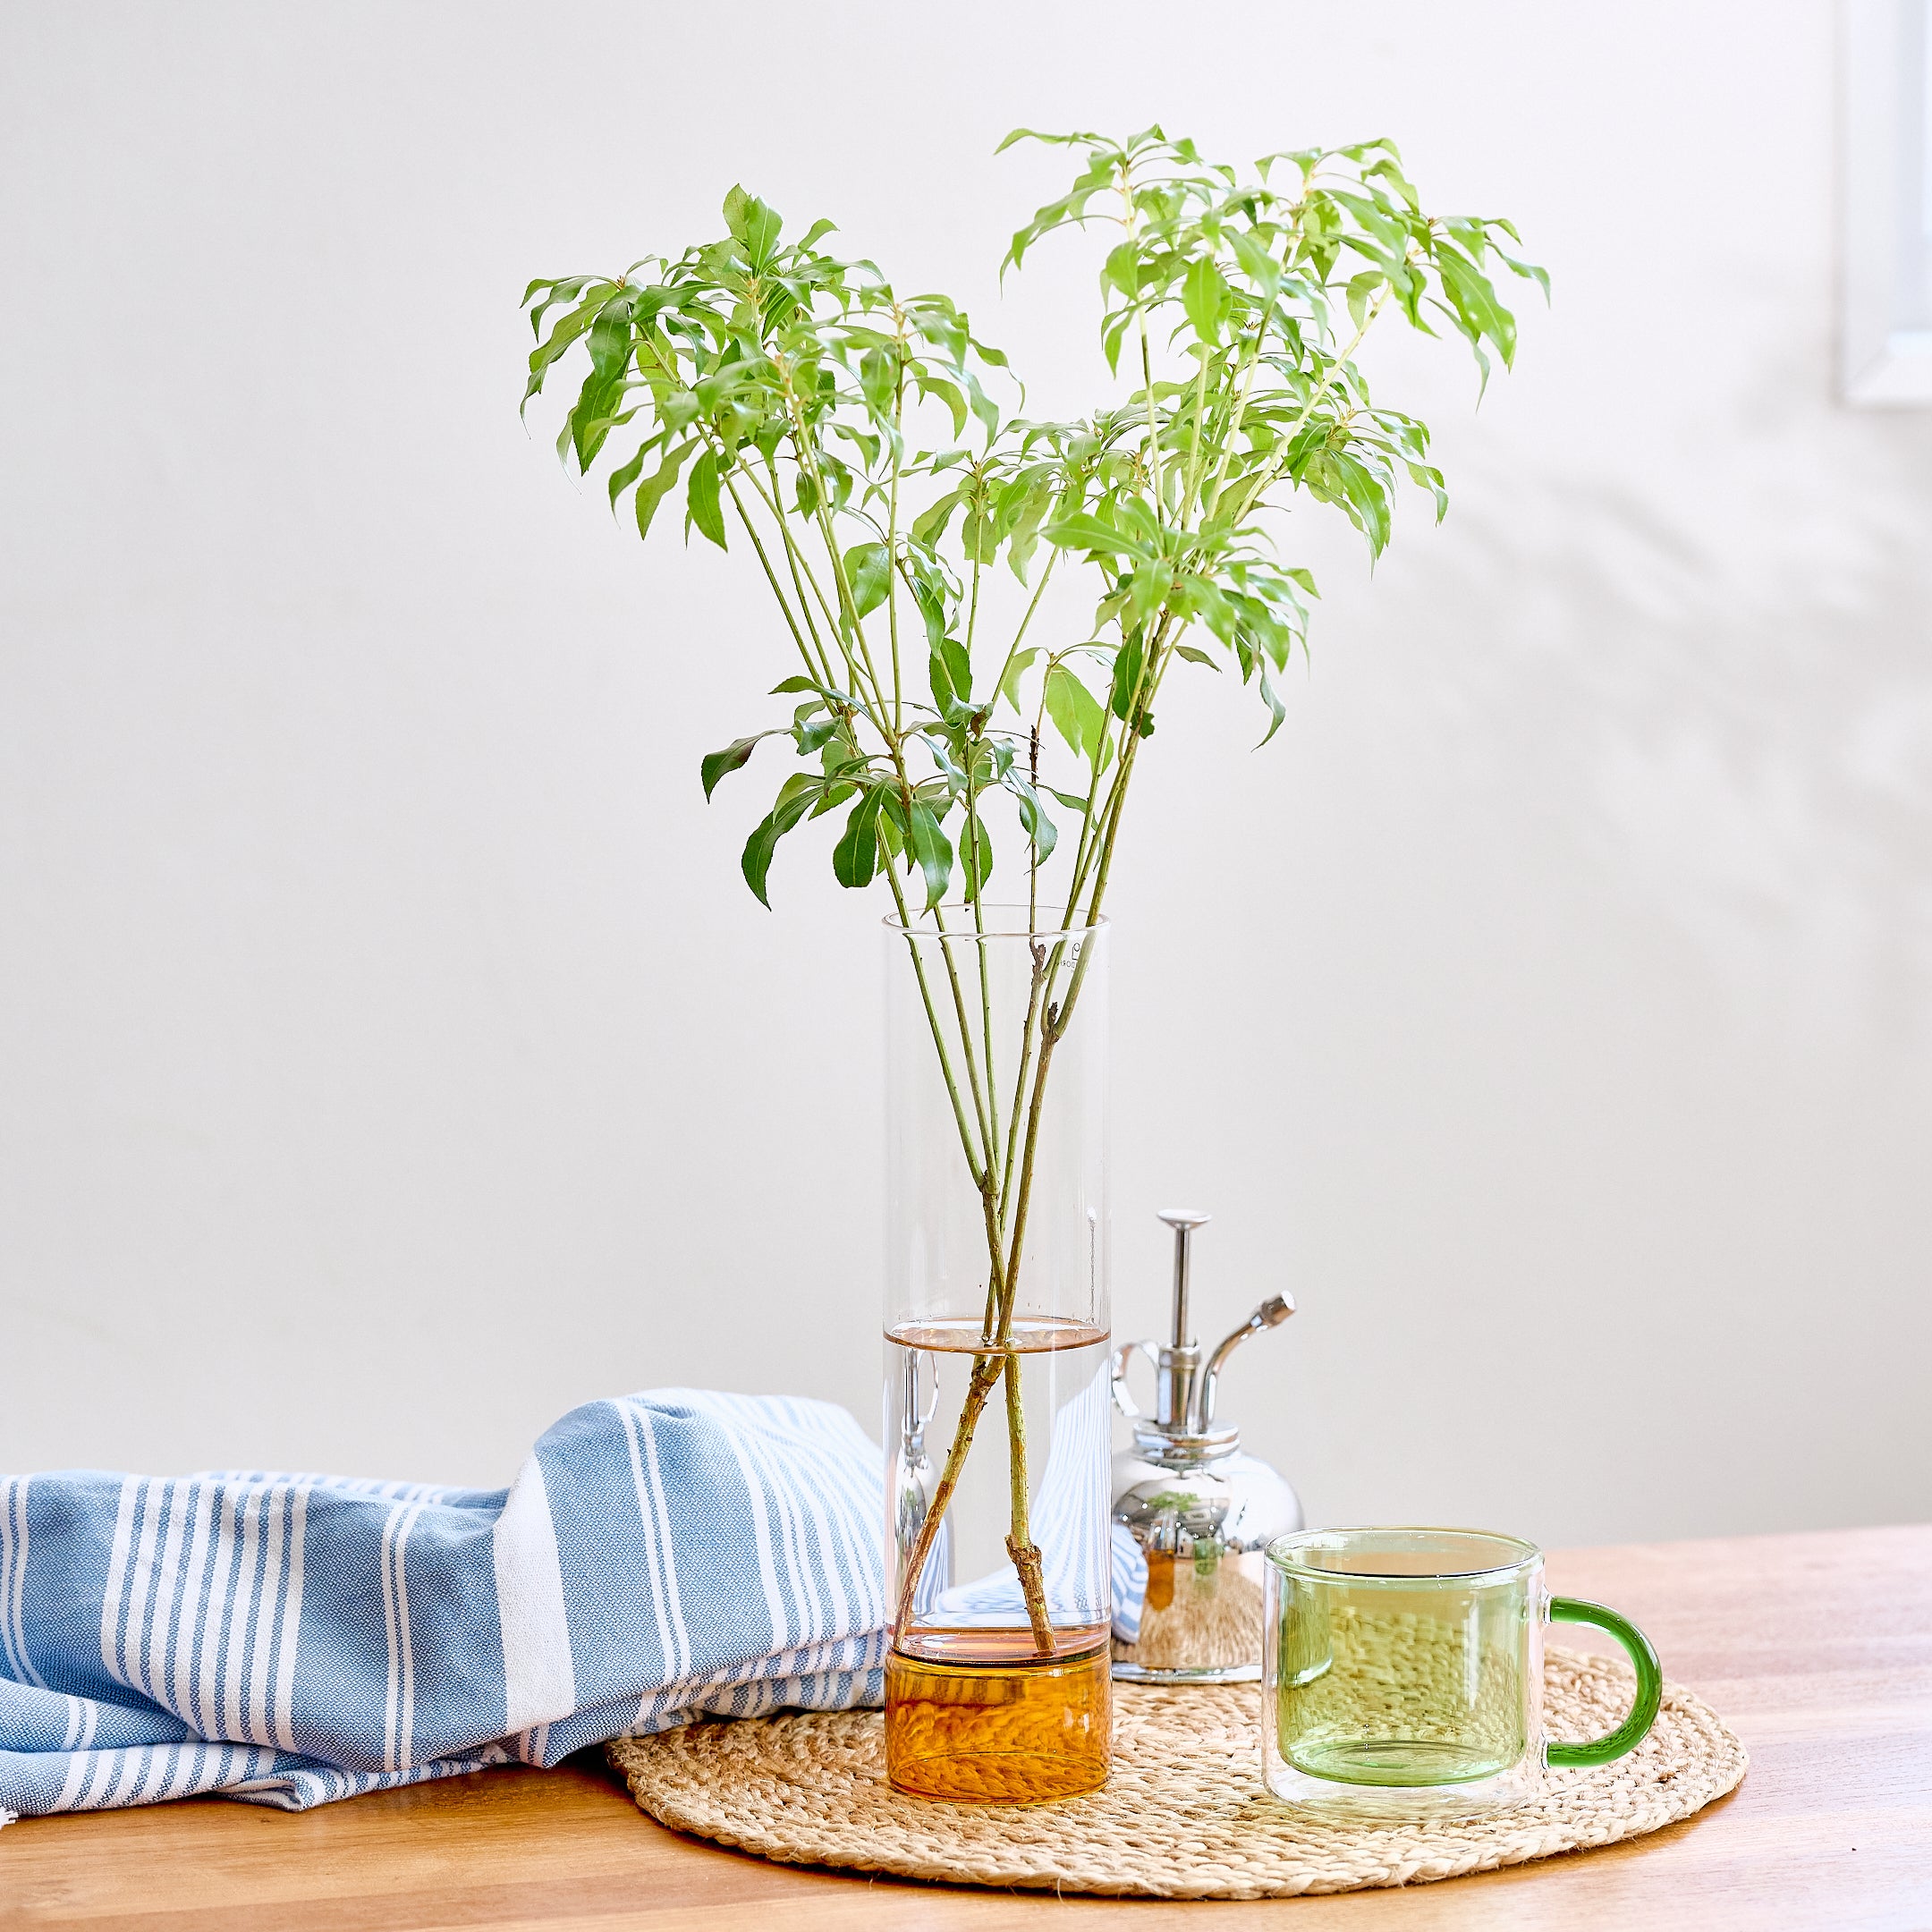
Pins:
x: 1817, y: 1650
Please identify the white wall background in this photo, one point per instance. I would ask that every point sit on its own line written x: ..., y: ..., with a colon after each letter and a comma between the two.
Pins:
x: 390, y: 1056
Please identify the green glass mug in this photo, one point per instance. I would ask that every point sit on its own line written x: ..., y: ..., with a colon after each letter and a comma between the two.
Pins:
x: 1403, y: 1672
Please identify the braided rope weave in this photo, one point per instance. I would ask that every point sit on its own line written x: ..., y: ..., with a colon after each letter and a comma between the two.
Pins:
x: 1183, y: 1813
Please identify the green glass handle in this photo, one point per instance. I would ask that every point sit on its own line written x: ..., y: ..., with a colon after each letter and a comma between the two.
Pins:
x: 1632, y: 1733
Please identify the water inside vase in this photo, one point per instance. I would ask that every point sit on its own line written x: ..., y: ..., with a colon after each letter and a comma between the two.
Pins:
x: 980, y: 1704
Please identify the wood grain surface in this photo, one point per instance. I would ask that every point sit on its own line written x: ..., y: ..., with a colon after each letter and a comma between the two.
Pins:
x: 1817, y: 1650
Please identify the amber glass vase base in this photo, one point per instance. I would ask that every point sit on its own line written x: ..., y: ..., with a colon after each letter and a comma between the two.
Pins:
x: 981, y: 1718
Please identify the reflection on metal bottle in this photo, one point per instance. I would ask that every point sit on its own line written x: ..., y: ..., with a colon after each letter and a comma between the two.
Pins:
x: 1200, y: 1511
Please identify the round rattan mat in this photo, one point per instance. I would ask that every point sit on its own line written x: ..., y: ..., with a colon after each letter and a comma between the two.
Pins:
x: 1184, y: 1813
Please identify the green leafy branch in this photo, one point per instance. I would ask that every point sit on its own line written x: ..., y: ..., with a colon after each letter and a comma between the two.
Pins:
x: 853, y: 437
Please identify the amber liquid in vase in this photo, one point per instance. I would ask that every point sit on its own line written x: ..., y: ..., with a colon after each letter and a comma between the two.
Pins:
x: 999, y: 1722
x: 974, y: 1711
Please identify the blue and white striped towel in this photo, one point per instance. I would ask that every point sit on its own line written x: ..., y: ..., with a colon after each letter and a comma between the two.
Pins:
x: 292, y: 1639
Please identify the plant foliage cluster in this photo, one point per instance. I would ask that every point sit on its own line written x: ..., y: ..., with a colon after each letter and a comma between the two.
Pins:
x: 867, y: 449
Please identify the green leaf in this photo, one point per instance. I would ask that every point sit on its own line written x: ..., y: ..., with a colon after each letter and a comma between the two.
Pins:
x: 985, y: 411
x: 1076, y: 713
x: 951, y: 674
x: 1202, y: 297
x: 1149, y: 590
x: 1090, y: 533
x: 928, y: 525
x: 625, y: 475
x: 811, y: 733
x: 878, y: 379
x: 976, y: 857
x: 947, y: 393
x: 753, y: 224
x: 653, y: 490
x: 570, y: 287
x: 855, y: 859
x: 1037, y: 826
x: 869, y: 571
x: 1257, y: 263
x: 978, y: 536
x: 1276, y: 710
x: 943, y: 745
x: 1024, y: 530
x: 609, y: 340
x: 1128, y: 663
x: 796, y: 797
x: 734, y: 754
x: 560, y: 338
x: 589, y: 420
x: 1197, y: 597
x: 929, y: 595
x: 932, y: 852
x: 1016, y: 668
x: 701, y: 505
x: 838, y: 789
x: 1361, y: 291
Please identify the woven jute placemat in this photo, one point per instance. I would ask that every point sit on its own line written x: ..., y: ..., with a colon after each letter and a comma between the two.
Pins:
x: 1184, y: 1813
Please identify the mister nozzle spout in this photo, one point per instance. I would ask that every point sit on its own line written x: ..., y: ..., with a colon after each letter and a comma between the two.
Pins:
x: 1271, y: 1314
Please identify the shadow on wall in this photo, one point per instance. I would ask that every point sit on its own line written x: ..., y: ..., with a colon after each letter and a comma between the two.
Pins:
x: 1731, y: 674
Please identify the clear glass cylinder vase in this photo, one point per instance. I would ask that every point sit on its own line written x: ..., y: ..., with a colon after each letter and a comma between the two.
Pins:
x: 997, y: 1397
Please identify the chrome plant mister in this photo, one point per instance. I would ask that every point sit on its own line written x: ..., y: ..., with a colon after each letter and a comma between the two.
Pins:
x: 1200, y: 1511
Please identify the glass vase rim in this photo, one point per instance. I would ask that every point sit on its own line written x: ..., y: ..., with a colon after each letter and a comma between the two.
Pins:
x: 1283, y: 1554
x: 900, y: 928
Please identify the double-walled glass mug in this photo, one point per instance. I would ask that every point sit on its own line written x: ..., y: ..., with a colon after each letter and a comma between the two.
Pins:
x: 1403, y: 1672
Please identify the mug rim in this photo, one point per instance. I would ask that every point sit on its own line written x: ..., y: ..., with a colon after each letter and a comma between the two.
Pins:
x: 1282, y: 1555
